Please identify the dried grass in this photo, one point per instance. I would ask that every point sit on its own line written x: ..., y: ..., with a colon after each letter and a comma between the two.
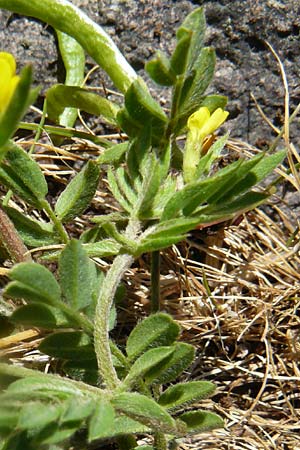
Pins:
x: 234, y: 288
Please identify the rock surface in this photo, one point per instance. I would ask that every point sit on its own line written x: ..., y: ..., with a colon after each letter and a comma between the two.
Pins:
x: 237, y: 29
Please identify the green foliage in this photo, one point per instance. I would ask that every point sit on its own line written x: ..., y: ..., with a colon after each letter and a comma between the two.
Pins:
x: 22, y: 98
x: 20, y: 173
x: 111, y: 392
x: 78, y: 193
x: 155, y: 331
x: 60, y: 96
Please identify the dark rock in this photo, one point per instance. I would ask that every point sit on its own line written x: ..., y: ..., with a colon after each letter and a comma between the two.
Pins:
x: 237, y: 29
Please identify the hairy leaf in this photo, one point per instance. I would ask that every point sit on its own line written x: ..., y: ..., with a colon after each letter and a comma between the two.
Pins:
x: 185, y: 393
x: 201, y: 421
x: 102, y: 421
x: 79, y: 193
x: 75, y: 275
x: 68, y: 345
x: 34, y: 283
x: 154, y: 331
x: 171, y: 368
x: 144, y: 410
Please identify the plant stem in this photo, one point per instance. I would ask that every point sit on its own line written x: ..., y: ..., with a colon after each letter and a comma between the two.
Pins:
x: 11, y: 240
x: 59, y: 226
x: 160, y: 441
x: 101, y: 333
x: 66, y: 17
x: 103, y: 308
x: 155, y: 281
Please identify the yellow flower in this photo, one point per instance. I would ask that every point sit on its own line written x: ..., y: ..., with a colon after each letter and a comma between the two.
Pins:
x: 202, y: 123
x: 8, y: 79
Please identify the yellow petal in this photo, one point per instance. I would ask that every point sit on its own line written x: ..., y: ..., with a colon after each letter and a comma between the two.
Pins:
x: 214, y: 122
x: 5, y: 80
x: 4, y: 56
x: 198, y: 118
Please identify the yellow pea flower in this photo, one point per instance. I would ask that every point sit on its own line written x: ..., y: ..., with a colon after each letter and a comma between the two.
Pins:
x: 8, y: 79
x: 200, y: 125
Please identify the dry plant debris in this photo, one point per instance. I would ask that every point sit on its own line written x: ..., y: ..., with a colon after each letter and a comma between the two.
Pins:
x: 234, y: 288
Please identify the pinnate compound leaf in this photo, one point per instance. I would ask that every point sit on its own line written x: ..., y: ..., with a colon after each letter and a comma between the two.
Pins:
x: 185, y: 393
x: 146, y: 362
x: 34, y: 283
x: 201, y: 421
x: 144, y: 410
x: 172, y: 367
x: 154, y: 331
x: 101, y: 422
x: 40, y: 315
x: 75, y: 275
x: 68, y: 345
x: 79, y: 193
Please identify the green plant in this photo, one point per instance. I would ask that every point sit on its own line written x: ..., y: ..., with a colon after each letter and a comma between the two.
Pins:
x: 164, y: 192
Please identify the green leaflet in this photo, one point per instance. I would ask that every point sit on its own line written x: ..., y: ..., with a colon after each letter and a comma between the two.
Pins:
x: 154, y: 331
x: 34, y: 283
x: 79, y: 193
x: 144, y: 410
x: 201, y: 421
x: 182, y: 394
x: 41, y: 316
x: 160, y: 70
x: 169, y: 369
x: 60, y: 96
x: 23, y: 175
x: 74, y: 61
x: 68, y: 345
x: 148, y: 361
x: 102, y: 421
x: 76, y: 275
x: 34, y: 233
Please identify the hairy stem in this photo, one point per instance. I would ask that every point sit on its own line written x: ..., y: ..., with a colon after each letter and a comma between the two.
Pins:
x: 57, y: 223
x: 103, y: 308
x: 101, y: 333
x: 11, y: 240
x: 66, y: 17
